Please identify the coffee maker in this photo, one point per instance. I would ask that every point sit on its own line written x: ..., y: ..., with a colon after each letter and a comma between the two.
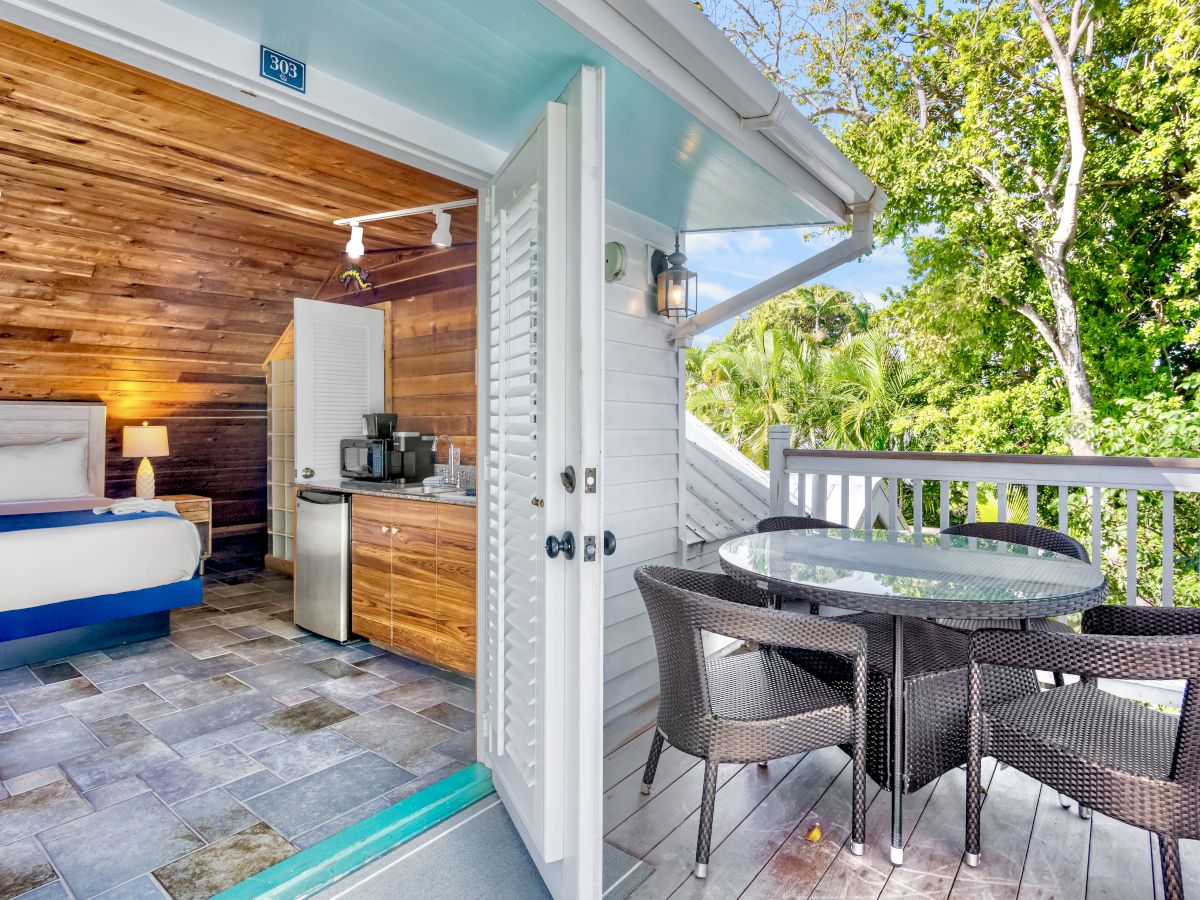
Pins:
x: 384, y: 454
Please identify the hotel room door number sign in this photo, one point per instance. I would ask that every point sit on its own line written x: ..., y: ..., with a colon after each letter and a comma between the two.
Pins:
x: 274, y: 66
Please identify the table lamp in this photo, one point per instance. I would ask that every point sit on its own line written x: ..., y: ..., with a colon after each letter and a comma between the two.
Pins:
x: 144, y: 440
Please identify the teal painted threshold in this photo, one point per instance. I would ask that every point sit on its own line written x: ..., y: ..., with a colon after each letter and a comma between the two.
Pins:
x: 314, y: 869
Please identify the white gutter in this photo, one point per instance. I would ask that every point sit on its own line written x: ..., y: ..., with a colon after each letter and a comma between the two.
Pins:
x: 858, y: 243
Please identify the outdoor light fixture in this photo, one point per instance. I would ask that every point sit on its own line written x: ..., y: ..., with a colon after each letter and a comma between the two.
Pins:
x: 678, y: 287
x: 441, y: 232
x: 354, y: 246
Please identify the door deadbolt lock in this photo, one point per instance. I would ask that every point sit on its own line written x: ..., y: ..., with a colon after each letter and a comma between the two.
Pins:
x: 589, y: 548
x: 564, y: 545
x: 568, y: 479
x: 307, y: 472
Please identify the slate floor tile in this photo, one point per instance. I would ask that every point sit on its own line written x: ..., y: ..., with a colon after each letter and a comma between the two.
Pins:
x: 301, y: 805
x: 394, y: 733
x: 185, y: 778
x: 215, y: 868
x: 141, y: 888
x: 20, y: 679
x: 37, y: 746
x: 423, y: 762
x: 39, y: 809
x: 144, y: 714
x: 190, y: 723
x: 353, y: 686
x: 136, y: 678
x: 419, y: 784
x: 215, y: 814
x: 266, y: 642
x: 204, y: 637
x: 214, y: 665
x: 304, y: 755
x: 193, y: 693
x: 52, y: 891
x: 148, y: 833
x: 50, y: 695
x: 419, y: 695
x: 281, y: 676
x: 250, y: 632
x: 253, y: 785
x: 23, y: 867
x: 8, y: 719
x: 304, y: 717
x: 55, y: 672
x: 291, y: 698
x: 45, y: 714
x: 364, y: 704
x: 387, y: 664
x: 115, y: 792
x: 111, y: 669
x: 117, y: 762
x: 260, y: 740
x: 117, y: 729
x: 460, y: 747
x: 114, y: 703
x: 451, y: 716
x: 138, y: 648
x: 283, y: 629
x: 31, y: 780
x: 341, y: 823
x: 334, y: 668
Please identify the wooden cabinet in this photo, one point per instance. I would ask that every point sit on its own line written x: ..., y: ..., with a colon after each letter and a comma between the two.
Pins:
x: 413, y: 578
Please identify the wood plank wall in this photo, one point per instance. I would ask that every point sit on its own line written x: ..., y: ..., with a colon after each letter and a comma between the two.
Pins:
x: 152, y: 238
x: 433, y: 303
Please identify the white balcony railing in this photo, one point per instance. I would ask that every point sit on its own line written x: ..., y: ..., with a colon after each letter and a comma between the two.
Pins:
x: 1090, y: 497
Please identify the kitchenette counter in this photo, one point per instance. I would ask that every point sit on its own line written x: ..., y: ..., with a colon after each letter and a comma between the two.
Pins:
x: 391, y: 491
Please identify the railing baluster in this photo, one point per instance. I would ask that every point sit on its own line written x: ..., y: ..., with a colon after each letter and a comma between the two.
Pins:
x: 918, y: 519
x: 1062, y: 508
x: 1031, y: 510
x: 944, y: 510
x: 845, y: 519
x: 1131, y: 511
x: 822, y: 498
x: 972, y: 491
x: 1168, y: 549
x: 1001, y: 501
x: 893, y: 500
x: 1097, y: 499
x: 801, y: 495
x: 868, y: 505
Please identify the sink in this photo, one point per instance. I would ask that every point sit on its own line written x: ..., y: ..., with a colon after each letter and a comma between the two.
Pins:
x: 422, y: 490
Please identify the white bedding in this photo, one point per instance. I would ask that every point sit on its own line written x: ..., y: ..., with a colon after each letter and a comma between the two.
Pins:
x: 48, y: 565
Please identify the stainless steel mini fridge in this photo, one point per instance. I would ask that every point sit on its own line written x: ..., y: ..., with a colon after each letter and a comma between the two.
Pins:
x: 323, y: 563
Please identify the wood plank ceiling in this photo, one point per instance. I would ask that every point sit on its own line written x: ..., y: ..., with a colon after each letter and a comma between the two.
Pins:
x: 152, y: 238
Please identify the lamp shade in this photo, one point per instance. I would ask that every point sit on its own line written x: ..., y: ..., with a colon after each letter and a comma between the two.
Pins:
x: 144, y: 440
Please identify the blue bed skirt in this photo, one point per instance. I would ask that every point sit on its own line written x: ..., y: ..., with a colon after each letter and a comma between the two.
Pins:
x: 90, y: 623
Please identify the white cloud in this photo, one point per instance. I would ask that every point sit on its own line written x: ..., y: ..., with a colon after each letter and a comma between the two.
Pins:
x: 707, y: 242
x: 703, y: 340
x: 714, y: 291
x: 874, y: 299
x: 751, y: 242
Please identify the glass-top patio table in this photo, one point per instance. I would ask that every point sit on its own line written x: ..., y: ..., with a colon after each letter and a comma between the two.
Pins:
x: 925, y: 576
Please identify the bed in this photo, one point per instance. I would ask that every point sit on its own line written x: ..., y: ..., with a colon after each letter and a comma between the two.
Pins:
x: 73, y: 580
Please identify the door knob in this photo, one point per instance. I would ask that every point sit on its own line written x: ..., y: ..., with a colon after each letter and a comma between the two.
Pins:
x: 610, y: 543
x: 565, y: 546
x: 307, y: 472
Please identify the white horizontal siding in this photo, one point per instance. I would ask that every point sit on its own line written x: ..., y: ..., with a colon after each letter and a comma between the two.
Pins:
x: 641, y: 480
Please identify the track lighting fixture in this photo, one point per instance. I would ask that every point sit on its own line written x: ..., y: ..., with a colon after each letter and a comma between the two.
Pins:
x: 441, y: 231
x: 354, y: 246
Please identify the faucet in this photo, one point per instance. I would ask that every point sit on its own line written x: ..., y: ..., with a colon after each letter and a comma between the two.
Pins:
x: 452, y: 456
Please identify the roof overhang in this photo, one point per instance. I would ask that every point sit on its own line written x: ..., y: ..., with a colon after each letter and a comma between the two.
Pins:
x: 696, y: 138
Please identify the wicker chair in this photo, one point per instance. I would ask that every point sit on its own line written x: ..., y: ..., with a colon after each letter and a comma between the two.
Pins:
x: 751, y: 706
x: 1132, y: 762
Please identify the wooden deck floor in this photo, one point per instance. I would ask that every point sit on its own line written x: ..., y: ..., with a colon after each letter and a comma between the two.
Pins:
x: 1032, y: 847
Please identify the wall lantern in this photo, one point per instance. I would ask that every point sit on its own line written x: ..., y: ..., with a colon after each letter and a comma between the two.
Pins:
x: 678, y: 286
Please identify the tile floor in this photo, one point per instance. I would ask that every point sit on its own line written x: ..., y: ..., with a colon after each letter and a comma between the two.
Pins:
x: 182, y: 765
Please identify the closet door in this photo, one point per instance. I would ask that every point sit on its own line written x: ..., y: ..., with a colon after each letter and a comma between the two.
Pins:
x: 339, y: 377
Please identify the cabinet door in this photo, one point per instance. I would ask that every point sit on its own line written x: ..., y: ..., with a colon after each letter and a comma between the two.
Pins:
x: 414, y: 578
x: 456, y: 612
x: 371, y: 569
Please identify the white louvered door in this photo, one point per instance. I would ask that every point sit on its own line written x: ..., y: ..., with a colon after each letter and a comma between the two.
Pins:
x: 541, y: 682
x: 339, y: 377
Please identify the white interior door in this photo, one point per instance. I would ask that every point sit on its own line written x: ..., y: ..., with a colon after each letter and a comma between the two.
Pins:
x: 339, y: 377
x: 541, y: 341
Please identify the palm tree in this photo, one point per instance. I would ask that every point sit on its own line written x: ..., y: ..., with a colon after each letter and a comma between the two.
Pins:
x: 869, y: 384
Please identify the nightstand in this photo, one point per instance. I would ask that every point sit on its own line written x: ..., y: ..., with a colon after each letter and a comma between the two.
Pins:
x: 198, y: 511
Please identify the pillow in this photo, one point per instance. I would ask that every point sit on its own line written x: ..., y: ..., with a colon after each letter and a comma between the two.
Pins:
x: 54, y: 470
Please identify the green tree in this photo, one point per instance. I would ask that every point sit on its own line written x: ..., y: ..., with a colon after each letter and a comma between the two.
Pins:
x: 819, y: 310
x: 1041, y: 160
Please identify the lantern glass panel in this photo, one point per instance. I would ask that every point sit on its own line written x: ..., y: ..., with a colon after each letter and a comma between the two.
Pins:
x: 678, y: 291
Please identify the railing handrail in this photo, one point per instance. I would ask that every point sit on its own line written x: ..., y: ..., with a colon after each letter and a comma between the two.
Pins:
x: 1155, y: 462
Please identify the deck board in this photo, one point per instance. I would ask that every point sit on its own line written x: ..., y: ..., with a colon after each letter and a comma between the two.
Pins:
x: 1033, y: 849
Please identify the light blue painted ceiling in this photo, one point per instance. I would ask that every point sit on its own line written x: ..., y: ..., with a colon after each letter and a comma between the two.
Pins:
x: 486, y: 67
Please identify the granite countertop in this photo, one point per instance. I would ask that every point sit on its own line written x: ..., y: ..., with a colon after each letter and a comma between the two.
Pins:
x: 384, y: 489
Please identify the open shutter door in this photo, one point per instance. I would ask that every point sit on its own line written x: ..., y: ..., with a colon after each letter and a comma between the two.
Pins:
x: 541, y: 656
x: 339, y: 377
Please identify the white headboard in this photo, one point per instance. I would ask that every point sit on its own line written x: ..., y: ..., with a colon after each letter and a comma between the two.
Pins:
x: 36, y: 421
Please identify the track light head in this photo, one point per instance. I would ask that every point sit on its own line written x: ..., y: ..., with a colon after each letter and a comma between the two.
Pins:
x: 354, y: 246
x: 441, y: 232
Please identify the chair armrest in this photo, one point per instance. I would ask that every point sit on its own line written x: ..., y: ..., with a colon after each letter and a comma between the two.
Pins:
x: 1090, y: 655
x: 1142, y: 620
x: 783, y: 629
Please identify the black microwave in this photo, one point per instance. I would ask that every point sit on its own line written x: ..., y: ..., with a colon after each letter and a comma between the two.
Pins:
x: 367, y: 459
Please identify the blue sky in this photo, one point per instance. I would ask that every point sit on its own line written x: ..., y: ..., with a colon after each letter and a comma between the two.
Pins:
x: 731, y: 261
